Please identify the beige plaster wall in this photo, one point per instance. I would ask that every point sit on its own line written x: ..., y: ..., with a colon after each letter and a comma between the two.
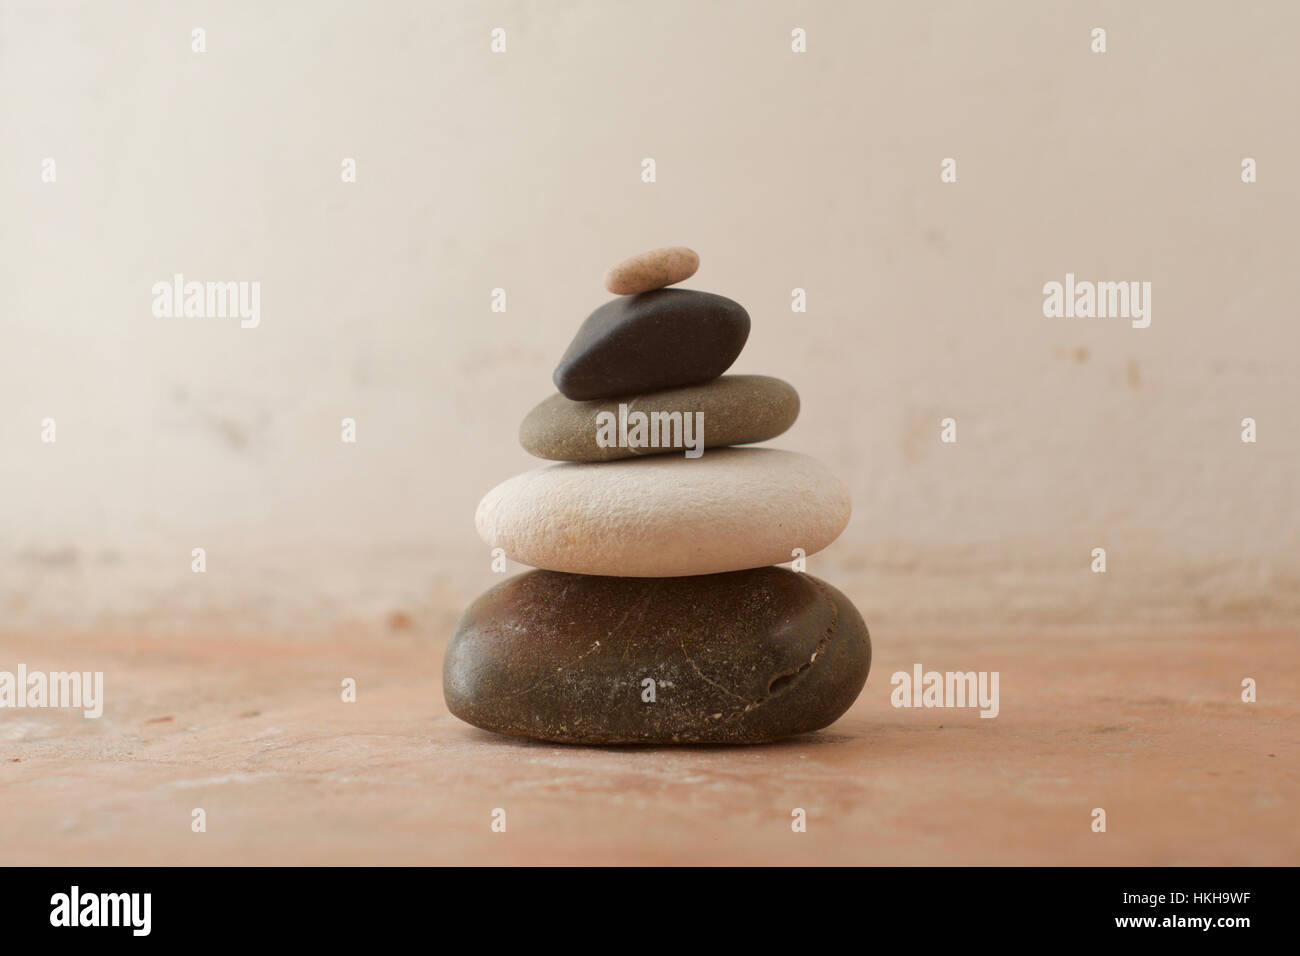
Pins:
x: 521, y: 171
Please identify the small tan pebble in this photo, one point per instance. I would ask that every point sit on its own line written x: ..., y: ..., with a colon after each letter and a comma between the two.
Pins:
x: 652, y: 270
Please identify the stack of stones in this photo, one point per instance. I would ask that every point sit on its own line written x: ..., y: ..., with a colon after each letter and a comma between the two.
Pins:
x: 657, y: 616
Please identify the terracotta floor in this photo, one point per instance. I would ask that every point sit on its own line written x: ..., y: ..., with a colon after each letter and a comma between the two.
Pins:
x: 1149, y: 726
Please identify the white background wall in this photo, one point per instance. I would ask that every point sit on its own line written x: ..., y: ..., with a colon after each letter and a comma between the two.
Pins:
x: 521, y: 171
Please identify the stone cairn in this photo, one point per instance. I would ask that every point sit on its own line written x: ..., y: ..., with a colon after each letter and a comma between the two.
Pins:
x: 657, y: 615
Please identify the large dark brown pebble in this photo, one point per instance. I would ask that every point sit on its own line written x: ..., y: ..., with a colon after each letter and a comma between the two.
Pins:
x: 743, y: 657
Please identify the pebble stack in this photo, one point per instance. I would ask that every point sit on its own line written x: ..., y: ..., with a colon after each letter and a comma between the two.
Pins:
x: 657, y: 615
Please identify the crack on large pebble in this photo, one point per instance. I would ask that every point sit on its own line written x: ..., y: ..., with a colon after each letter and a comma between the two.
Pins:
x: 782, y: 682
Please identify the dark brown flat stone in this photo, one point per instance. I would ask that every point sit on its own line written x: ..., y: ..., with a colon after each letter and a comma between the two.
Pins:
x: 744, y: 657
x: 642, y: 343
